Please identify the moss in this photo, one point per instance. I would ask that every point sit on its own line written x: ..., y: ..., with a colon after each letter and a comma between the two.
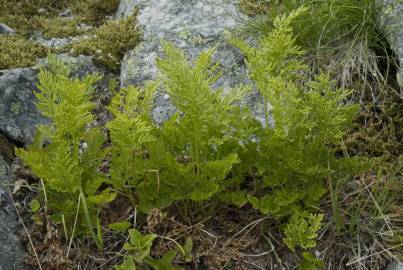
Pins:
x: 379, y: 132
x: 6, y: 149
x: 94, y: 11
x: 24, y: 15
x: 59, y: 27
x: 16, y: 51
x: 110, y: 42
x: 25, y: 18
x: 253, y: 7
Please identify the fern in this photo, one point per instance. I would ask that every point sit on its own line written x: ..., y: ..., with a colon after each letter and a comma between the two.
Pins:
x: 190, y: 155
x: 302, y: 229
x: 296, y: 155
x: 67, y: 153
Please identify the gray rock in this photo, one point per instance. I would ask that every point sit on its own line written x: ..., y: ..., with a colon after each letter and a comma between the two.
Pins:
x: 192, y: 26
x: 18, y: 114
x: 391, y: 23
x: 51, y: 42
x: 395, y: 266
x: 126, y: 8
x: 11, y: 249
x: 6, y: 30
x: 66, y: 13
x: 42, y: 10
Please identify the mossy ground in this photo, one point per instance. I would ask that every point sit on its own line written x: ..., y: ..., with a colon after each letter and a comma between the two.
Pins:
x: 253, y: 7
x: 110, y: 41
x: 16, y: 51
x: 30, y: 16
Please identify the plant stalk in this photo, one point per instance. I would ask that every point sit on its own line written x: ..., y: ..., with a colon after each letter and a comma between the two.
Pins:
x: 88, y: 219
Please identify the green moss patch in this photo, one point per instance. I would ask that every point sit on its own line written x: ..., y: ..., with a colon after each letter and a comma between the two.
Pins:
x: 16, y: 51
x: 253, y: 7
x: 60, y: 27
x: 111, y: 41
x: 30, y: 16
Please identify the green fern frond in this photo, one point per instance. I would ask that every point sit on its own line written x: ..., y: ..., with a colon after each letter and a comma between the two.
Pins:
x: 302, y: 230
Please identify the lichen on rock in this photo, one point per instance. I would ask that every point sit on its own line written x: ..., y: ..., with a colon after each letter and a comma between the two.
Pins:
x: 193, y: 26
x: 391, y: 23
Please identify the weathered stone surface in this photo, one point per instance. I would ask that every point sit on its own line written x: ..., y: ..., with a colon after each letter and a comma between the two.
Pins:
x: 6, y: 30
x: 11, y: 250
x: 391, y: 22
x: 395, y: 266
x: 18, y: 114
x: 192, y: 26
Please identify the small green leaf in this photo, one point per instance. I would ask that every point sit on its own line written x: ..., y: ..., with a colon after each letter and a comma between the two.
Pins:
x: 187, y: 248
x: 36, y: 217
x: 139, y: 245
x: 34, y: 205
x: 122, y: 226
x: 310, y: 262
x: 165, y: 263
x: 128, y: 264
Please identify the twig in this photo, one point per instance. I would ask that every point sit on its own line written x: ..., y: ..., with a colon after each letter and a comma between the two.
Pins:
x: 260, y: 254
x: 210, y: 234
x: 373, y: 254
x: 74, y: 227
x: 175, y: 242
x: 385, y: 219
x: 252, y: 224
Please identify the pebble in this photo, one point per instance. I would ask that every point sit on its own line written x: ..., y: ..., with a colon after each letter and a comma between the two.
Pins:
x: 6, y: 30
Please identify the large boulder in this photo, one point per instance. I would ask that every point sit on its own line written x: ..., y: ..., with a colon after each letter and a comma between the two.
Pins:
x: 391, y: 23
x: 18, y: 114
x: 11, y: 250
x: 192, y: 26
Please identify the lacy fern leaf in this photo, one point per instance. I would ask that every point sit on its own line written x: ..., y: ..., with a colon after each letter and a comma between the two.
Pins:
x: 66, y: 154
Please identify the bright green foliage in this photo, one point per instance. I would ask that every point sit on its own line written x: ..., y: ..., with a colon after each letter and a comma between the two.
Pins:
x: 110, y: 41
x: 67, y: 153
x: 139, y: 245
x: 128, y: 264
x: 302, y: 230
x: 34, y: 205
x: 190, y: 155
x: 186, y: 249
x: 122, y: 226
x: 139, y: 249
x: 310, y: 262
x: 16, y: 51
x: 310, y: 117
x: 207, y: 131
x: 165, y: 263
x: 130, y: 132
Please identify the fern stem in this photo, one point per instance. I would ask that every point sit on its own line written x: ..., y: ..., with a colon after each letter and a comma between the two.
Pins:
x: 88, y: 219
x: 333, y: 197
x: 266, y: 113
x: 195, y: 148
